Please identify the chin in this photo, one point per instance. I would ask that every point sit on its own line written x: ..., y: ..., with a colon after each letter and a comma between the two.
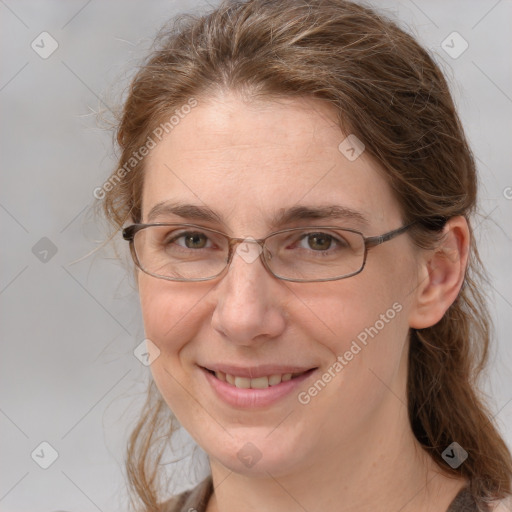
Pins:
x: 255, y: 456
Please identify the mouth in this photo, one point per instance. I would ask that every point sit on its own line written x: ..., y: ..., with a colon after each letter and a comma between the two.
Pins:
x: 255, y: 388
x: 262, y: 382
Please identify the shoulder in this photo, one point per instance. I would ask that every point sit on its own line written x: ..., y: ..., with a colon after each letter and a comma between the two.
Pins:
x: 465, y: 502
x: 191, y: 500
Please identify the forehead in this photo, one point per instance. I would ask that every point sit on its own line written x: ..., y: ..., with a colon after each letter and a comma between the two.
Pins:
x: 248, y: 163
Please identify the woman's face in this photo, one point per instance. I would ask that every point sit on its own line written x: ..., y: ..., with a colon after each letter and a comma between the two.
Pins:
x: 249, y: 162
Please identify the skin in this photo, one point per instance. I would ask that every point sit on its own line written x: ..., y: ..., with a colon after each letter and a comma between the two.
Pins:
x: 351, y: 448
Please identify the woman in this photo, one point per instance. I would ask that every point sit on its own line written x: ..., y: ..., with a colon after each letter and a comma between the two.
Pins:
x: 297, y: 192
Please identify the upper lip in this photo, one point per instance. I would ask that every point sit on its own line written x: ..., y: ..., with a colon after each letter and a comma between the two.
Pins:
x: 253, y: 372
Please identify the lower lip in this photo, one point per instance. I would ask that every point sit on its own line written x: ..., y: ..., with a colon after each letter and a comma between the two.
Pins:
x: 253, y: 398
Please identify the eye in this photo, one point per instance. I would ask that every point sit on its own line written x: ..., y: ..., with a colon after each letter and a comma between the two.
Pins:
x: 321, y: 242
x: 318, y: 241
x: 191, y: 240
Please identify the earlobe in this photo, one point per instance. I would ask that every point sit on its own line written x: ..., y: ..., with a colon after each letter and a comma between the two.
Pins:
x: 441, y: 275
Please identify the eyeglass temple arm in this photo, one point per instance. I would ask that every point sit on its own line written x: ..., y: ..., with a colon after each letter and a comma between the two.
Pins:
x: 129, y: 232
x: 372, y: 241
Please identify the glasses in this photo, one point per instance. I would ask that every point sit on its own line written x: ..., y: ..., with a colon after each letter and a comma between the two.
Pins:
x: 187, y: 252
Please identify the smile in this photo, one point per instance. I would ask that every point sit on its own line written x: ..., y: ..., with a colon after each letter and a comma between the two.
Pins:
x: 260, y: 387
x: 258, y: 382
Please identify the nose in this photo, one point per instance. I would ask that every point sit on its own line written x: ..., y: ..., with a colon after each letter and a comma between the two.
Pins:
x: 249, y: 300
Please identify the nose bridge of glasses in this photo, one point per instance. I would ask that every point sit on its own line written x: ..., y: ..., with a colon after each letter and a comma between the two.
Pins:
x: 243, y: 252
x: 248, y: 239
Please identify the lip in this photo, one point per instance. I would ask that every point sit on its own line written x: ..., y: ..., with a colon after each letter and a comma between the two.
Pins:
x: 254, y: 398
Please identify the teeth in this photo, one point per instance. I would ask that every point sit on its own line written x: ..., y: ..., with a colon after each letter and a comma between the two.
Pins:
x: 259, y: 383
x: 221, y: 376
x: 242, y: 382
x: 256, y: 383
x: 274, y: 379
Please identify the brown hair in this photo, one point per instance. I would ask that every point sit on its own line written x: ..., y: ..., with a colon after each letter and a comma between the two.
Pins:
x: 387, y: 91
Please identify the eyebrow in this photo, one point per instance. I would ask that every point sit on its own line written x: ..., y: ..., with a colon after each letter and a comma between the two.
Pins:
x: 282, y: 218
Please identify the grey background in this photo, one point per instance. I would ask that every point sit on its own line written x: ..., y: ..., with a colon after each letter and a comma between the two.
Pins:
x: 68, y: 375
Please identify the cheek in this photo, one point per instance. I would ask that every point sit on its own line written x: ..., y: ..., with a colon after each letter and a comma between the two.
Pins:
x: 364, y: 328
x: 364, y: 319
x: 169, y: 322
x: 167, y: 310
x: 343, y: 310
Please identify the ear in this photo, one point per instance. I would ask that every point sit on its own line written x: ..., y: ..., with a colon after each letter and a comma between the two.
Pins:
x: 441, y: 275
